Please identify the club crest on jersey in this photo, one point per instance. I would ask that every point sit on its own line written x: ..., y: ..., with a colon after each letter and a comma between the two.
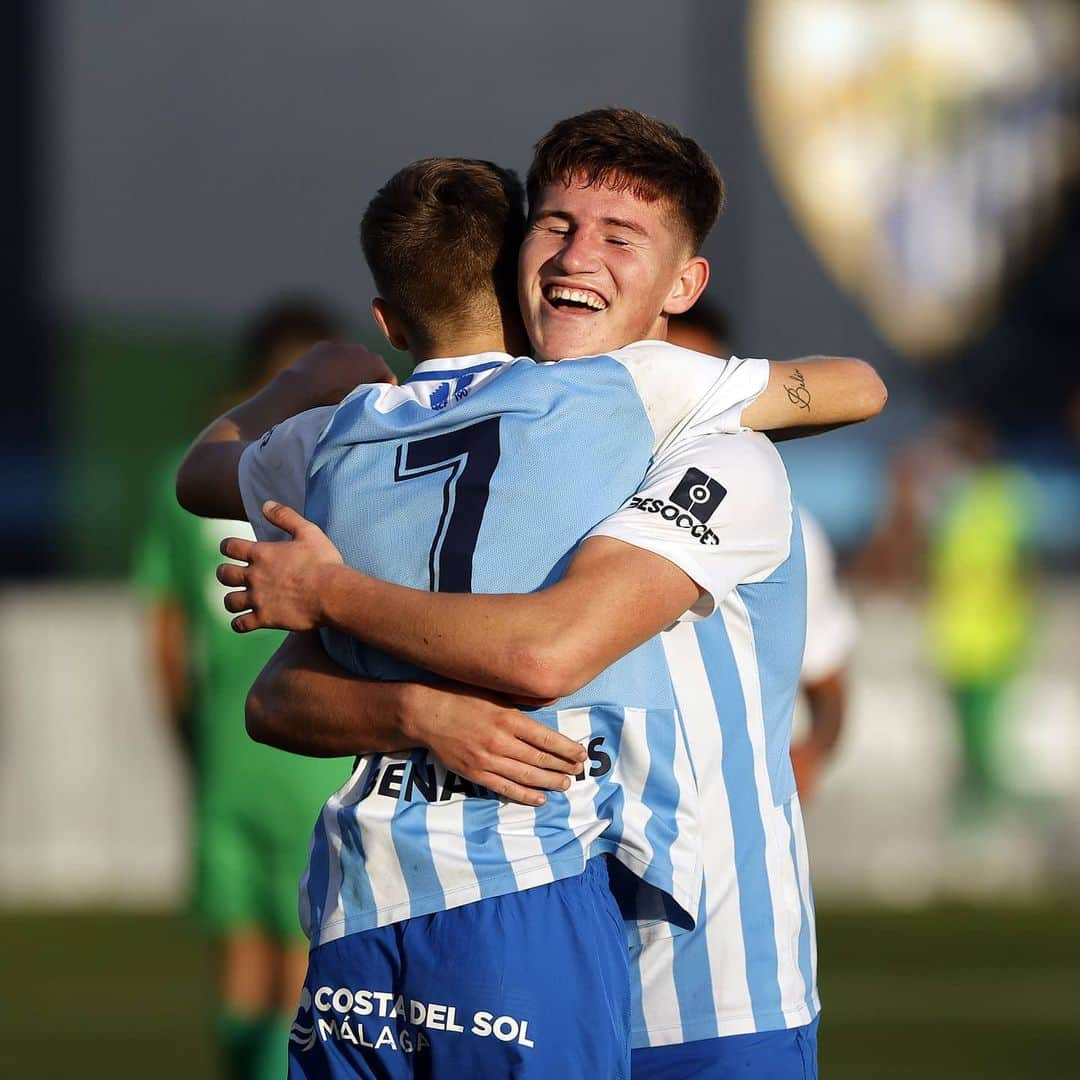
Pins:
x: 445, y: 392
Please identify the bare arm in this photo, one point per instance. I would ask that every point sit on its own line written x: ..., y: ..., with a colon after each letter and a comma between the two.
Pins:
x: 827, y: 699
x: 303, y: 702
x: 814, y: 394
x: 541, y: 645
x: 168, y: 642
x: 206, y: 482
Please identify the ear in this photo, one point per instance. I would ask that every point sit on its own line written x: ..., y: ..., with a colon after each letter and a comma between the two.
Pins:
x: 389, y: 323
x: 688, y: 286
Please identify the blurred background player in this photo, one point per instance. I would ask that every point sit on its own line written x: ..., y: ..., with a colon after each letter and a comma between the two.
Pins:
x: 830, y: 618
x: 253, y: 806
x: 960, y: 527
x: 980, y: 598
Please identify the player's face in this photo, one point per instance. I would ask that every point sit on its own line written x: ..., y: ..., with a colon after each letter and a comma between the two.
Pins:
x: 600, y: 269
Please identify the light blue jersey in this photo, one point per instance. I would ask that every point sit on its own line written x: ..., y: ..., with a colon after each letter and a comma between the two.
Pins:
x: 483, y: 474
x: 749, y: 964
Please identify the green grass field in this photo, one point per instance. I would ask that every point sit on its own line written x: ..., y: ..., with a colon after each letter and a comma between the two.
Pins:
x: 950, y: 993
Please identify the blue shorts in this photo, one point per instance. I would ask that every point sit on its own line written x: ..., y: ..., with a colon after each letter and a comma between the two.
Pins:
x: 768, y: 1055
x: 534, y: 984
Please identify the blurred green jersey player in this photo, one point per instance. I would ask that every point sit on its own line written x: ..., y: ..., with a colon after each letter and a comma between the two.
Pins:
x: 253, y: 805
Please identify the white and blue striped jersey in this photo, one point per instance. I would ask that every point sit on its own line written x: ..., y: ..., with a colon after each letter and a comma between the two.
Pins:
x: 749, y: 964
x: 483, y: 474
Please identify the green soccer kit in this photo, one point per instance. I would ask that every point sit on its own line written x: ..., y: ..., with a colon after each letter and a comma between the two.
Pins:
x: 255, y: 806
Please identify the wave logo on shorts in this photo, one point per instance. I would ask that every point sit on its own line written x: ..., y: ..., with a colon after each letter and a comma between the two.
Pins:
x: 303, y: 1035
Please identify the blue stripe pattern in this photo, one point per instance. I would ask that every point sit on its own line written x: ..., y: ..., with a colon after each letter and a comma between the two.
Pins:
x: 609, y: 798
x: 357, y: 895
x: 637, y: 1009
x: 693, y: 977
x: 557, y: 841
x: 755, y: 896
x: 357, y: 898
x: 805, y: 966
x: 408, y: 828
x: 318, y: 877
x: 661, y: 792
x: 480, y: 819
x: 321, y: 855
x: 777, y: 610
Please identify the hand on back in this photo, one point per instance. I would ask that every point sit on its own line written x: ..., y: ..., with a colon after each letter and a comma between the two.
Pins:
x: 279, y: 585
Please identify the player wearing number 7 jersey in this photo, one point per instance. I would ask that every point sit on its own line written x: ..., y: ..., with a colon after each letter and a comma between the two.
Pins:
x: 490, y: 490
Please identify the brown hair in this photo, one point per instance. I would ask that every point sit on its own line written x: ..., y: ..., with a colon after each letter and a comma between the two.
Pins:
x: 627, y: 150
x: 441, y: 238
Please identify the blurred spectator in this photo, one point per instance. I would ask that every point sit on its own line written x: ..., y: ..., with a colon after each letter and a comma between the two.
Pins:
x: 980, y: 603
x: 830, y: 618
x: 960, y: 522
x: 253, y: 806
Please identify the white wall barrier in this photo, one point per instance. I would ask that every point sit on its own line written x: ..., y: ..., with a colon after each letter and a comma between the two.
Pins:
x: 93, y: 803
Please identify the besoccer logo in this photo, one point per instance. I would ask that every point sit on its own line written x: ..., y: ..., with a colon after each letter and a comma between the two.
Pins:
x: 689, y: 506
x: 698, y: 493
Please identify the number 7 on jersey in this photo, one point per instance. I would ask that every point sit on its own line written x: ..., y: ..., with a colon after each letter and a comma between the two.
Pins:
x: 469, y: 457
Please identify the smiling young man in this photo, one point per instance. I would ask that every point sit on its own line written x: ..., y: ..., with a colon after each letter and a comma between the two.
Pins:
x: 592, y: 259
x: 737, y: 995
x: 603, y: 233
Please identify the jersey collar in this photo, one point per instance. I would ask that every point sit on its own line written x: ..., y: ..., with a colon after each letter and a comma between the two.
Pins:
x: 435, y: 367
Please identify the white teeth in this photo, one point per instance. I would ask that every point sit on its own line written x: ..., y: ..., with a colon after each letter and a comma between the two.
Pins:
x: 579, y: 296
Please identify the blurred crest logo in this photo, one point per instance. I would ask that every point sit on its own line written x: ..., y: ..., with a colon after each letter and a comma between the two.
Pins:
x: 444, y: 392
x: 924, y: 146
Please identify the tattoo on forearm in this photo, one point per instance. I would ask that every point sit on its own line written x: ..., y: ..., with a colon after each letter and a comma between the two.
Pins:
x: 797, y: 392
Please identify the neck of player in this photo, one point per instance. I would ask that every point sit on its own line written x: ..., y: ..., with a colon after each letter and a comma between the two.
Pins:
x: 460, y: 345
x: 503, y: 333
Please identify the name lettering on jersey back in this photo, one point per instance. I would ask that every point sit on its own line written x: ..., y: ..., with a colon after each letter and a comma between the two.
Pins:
x: 430, y: 781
